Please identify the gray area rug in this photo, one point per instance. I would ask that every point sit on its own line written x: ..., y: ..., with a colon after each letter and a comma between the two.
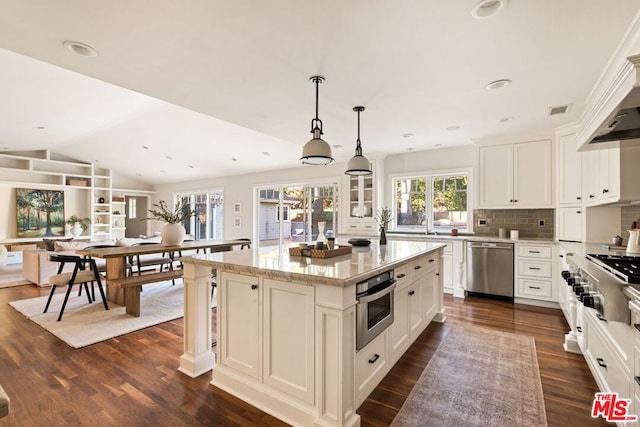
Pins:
x: 83, y: 324
x: 478, y: 377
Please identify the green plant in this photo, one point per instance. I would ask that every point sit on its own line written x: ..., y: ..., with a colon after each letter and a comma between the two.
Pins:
x: 84, y: 222
x: 383, y: 217
x: 180, y: 213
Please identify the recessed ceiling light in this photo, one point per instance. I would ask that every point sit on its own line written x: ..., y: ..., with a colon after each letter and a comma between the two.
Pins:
x: 337, y: 146
x: 410, y: 149
x: 506, y: 119
x: 80, y: 49
x: 191, y: 167
x: 452, y: 128
x: 168, y: 157
x: 163, y: 171
x: 266, y: 153
x: 438, y: 145
x: 407, y: 135
x: 498, y: 84
x: 234, y: 159
x: 144, y: 147
x: 488, y: 8
x: 39, y: 127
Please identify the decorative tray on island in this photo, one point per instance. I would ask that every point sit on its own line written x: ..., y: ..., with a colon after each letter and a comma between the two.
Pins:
x: 319, y: 253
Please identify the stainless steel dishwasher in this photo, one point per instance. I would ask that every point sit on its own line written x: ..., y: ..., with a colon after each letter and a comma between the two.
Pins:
x: 490, y: 269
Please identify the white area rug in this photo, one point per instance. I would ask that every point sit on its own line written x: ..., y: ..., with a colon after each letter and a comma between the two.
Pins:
x: 83, y: 323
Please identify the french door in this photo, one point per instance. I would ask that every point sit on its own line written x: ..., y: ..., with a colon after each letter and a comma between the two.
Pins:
x: 207, y: 223
x: 296, y: 213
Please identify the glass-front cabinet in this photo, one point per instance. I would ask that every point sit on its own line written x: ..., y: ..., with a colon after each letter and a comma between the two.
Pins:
x: 361, y: 204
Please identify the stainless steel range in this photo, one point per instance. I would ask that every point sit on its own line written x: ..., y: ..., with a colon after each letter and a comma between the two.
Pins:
x: 605, y: 283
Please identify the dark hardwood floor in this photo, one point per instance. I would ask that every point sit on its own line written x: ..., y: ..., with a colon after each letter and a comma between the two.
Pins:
x: 133, y: 379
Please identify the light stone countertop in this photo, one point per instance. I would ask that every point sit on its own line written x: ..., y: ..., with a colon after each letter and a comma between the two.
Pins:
x: 342, y: 271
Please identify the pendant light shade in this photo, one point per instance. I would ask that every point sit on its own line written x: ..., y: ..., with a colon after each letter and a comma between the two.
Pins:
x: 358, y: 164
x: 316, y: 151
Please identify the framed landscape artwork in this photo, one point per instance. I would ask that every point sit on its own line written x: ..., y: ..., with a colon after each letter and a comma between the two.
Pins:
x: 40, y: 212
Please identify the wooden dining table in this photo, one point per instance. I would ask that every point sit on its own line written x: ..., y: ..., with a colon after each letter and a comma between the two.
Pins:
x: 116, y: 258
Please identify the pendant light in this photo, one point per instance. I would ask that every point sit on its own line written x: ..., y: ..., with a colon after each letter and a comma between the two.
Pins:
x: 358, y: 164
x: 316, y: 151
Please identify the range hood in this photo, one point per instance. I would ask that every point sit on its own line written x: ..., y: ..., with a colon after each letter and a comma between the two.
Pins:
x: 612, y: 117
x: 624, y: 123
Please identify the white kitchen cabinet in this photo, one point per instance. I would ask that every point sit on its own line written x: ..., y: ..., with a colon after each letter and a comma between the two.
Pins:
x: 241, y: 299
x: 359, y: 198
x: 569, y: 183
x: 533, y: 272
x: 371, y: 364
x: 571, y: 224
x: 515, y: 175
x: 452, y: 266
x: 611, y: 176
x: 289, y: 313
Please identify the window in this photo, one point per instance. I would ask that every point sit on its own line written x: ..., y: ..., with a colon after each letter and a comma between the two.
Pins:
x: 286, y: 212
x: 133, y: 208
x: 207, y: 223
x: 434, y: 203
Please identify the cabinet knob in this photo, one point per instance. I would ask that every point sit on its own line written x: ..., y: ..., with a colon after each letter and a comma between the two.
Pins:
x: 254, y: 287
x: 578, y: 198
x: 411, y: 293
x: 591, y: 196
x: 417, y: 267
x: 510, y: 200
x: 579, y: 212
x: 432, y: 260
x: 401, y: 275
x: 605, y: 190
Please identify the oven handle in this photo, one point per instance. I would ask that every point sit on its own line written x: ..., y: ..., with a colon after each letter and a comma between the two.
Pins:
x: 387, y: 289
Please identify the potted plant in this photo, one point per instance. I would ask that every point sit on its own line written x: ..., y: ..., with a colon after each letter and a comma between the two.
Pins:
x: 383, y: 217
x: 173, y: 232
x: 77, y: 225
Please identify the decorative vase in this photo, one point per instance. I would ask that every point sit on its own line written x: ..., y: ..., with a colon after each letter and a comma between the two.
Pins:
x: 77, y: 229
x: 173, y: 234
x: 67, y: 231
x: 383, y: 237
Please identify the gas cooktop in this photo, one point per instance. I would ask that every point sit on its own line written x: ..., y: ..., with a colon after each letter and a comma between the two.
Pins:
x: 625, y: 267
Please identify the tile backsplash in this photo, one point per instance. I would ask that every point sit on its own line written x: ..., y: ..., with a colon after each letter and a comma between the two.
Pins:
x: 526, y: 221
x: 628, y: 215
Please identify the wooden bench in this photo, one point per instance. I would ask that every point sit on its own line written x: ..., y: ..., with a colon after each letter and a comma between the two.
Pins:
x: 132, y: 285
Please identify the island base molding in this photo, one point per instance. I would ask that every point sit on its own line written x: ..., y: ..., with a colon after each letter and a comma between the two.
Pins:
x: 270, y: 401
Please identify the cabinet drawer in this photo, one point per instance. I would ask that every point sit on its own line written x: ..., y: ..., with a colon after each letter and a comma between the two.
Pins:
x: 402, y: 276
x: 535, y: 288
x: 371, y: 362
x: 604, y: 362
x: 531, y: 251
x: 419, y: 267
x: 528, y: 267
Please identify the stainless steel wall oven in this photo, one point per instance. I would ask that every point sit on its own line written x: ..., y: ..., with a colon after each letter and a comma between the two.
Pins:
x: 374, y: 310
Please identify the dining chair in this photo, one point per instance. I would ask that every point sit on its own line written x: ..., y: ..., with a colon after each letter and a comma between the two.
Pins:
x: 84, y: 272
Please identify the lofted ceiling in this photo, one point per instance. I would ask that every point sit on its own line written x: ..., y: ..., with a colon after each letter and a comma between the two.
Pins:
x: 203, y: 88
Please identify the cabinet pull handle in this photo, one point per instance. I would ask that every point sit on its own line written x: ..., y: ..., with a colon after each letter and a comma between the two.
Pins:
x: 578, y: 198
x: 579, y: 329
x: 599, y: 316
x: 534, y: 252
x: 601, y: 362
x: 561, y: 256
x: 411, y: 293
x: 437, y: 274
x: 431, y: 260
x: 579, y: 212
x: 401, y: 275
x: 254, y: 287
x: 637, y: 380
x: 534, y: 287
x: 637, y: 326
x: 374, y: 358
x: 534, y: 268
x: 417, y: 267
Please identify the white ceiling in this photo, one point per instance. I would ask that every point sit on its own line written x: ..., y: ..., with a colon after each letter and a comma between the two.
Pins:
x: 209, y: 81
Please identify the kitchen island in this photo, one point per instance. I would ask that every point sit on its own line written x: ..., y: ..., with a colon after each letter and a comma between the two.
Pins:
x: 286, y: 325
